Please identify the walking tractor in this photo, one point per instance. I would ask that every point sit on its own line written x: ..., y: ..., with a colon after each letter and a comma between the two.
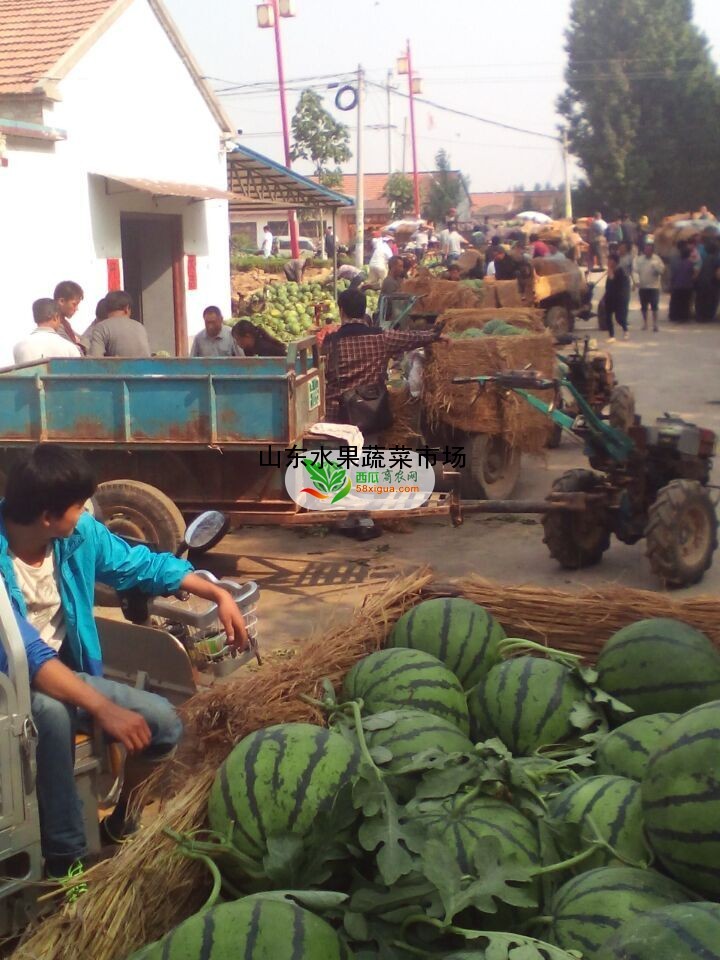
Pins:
x: 647, y: 481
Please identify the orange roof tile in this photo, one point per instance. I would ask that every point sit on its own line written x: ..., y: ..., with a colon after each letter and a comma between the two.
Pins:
x: 35, y: 35
x: 375, y: 184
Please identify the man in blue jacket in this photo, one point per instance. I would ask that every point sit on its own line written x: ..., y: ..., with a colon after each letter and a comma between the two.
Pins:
x: 51, y: 554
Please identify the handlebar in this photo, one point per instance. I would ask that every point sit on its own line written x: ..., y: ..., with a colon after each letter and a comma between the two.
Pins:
x: 524, y: 379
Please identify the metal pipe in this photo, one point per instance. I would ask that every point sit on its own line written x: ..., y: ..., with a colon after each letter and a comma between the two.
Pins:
x: 360, y: 185
x: 413, y: 137
x: 292, y: 218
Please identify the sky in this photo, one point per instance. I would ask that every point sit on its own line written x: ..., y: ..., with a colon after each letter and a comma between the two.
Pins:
x: 502, y: 61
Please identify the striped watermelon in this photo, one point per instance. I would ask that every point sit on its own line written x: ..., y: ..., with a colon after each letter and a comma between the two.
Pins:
x: 588, y: 909
x: 614, y: 806
x: 413, y: 732
x: 681, y: 799
x: 277, y: 781
x: 660, y: 665
x: 687, y: 931
x: 251, y: 929
x: 462, y: 634
x: 526, y: 702
x: 625, y: 752
x: 391, y: 679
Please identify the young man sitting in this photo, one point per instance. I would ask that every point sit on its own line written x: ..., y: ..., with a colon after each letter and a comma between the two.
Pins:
x: 51, y: 554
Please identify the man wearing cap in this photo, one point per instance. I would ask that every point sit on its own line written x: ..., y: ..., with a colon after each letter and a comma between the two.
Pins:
x: 649, y: 269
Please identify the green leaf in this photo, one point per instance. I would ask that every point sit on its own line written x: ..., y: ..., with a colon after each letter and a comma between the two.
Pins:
x: 344, y: 492
x: 380, y: 721
x: 317, y: 900
x: 583, y: 716
x: 381, y: 755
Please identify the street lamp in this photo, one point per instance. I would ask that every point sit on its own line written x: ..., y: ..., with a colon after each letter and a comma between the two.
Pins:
x: 268, y: 15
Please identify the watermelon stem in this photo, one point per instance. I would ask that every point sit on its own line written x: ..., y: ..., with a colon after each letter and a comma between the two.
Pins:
x: 217, y: 845
x: 188, y: 849
x: 571, y: 862
x: 513, y: 645
x: 468, y: 798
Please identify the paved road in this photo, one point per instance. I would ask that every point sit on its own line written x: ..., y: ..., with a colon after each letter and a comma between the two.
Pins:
x: 307, y: 578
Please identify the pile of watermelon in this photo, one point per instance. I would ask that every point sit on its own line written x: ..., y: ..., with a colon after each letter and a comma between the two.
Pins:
x: 287, y: 311
x: 476, y: 797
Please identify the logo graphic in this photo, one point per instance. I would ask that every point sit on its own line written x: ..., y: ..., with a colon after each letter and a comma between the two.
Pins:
x: 330, y: 482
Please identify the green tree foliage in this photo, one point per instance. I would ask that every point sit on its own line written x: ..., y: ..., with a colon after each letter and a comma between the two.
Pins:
x: 319, y: 138
x: 398, y: 191
x: 445, y: 189
x: 641, y: 103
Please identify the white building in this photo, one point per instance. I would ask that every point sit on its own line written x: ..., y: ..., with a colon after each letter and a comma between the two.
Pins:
x: 113, y: 170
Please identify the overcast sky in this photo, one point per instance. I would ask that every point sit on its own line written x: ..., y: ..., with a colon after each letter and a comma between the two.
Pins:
x: 499, y: 60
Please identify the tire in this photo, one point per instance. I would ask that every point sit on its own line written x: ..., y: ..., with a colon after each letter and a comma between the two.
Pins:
x: 681, y: 533
x: 622, y: 408
x: 559, y: 321
x: 142, y: 512
x: 577, y: 539
x: 492, y: 468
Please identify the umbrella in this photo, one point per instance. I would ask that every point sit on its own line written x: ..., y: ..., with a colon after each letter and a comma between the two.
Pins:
x: 534, y: 216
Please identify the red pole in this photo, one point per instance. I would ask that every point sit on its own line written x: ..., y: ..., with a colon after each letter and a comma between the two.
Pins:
x: 416, y: 182
x: 292, y: 220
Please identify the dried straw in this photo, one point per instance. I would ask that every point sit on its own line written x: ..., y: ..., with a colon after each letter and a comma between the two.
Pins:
x: 525, y: 318
x: 438, y: 295
x: 404, y: 430
x: 148, y: 888
x: 582, y: 622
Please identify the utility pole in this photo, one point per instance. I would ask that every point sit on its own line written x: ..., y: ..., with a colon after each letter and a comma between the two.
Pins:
x: 404, y: 143
x: 566, y: 166
x: 405, y: 67
x: 389, y: 121
x: 360, y: 188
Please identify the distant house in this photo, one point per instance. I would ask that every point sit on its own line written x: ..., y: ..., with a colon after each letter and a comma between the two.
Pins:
x: 114, y: 170
x: 503, y: 206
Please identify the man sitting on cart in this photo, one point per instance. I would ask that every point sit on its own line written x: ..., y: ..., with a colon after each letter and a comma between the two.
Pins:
x: 51, y: 554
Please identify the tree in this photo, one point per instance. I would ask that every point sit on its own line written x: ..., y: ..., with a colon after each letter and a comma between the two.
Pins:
x: 445, y: 189
x: 641, y: 103
x: 398, y: 191
x: 319, y: 138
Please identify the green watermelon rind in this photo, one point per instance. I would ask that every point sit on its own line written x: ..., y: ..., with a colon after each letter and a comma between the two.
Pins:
x: 625, y: 751
x: 685, y: 931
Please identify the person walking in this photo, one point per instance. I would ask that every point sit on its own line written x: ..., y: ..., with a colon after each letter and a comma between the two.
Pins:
x: 707, y: 285
x: 617, y: 297
x: 378, y: 266
x: 648, y: 270
x: 330, y: 245
x: 267, y: 241
x: 682, y: 281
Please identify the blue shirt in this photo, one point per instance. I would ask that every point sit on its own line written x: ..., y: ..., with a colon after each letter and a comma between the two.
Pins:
x: 91, y: 553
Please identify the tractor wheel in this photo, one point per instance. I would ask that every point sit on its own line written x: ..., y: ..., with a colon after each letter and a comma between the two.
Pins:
x: 492, y: 468
x: 576, y: 539
x: 681, y: 533
x: 142, y: 512
x: 622, y: 408
x: 559, y: 320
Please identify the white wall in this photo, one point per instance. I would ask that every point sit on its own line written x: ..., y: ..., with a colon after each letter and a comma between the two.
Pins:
x: 130, y: 107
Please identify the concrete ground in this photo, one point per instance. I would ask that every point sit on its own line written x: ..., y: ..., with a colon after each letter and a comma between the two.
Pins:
x: 309, y: 577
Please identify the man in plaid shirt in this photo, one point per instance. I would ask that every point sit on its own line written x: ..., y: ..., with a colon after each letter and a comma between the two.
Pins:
x: 362, y: 351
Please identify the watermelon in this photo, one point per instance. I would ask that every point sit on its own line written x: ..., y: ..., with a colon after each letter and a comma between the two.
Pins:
x: 400, y: 678
x: 413, y: 732
x: 277, y: 781
x: 660, y: 665
x: 681, y: 799
x: 614, y: 806
x: 526, y: 702
x: 625, y: 752
x: 462, y: 634
x: 588, y: 909
x: 687, y: 931
x: 254, y: 929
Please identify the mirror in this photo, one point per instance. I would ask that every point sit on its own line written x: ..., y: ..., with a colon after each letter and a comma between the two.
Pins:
x: 205, y: 531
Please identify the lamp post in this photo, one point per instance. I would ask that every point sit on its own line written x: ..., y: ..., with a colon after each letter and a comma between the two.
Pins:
x: 404, y: 67
x: 268, y: 15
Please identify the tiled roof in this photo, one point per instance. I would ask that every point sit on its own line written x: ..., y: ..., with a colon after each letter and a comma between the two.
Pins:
x: 375, y: 184
x: 513, y: 201
x: 35, y: 35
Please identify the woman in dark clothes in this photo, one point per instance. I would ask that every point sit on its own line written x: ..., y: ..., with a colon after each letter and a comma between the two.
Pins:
x: 707, y: 285
x: 617, y: 297
x: 255, y: 342
x: 682, y: 280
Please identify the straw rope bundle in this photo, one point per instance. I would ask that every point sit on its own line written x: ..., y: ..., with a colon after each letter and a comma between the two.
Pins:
x: 148, y: 888
x: 438, y: 295
x: 488, y: 411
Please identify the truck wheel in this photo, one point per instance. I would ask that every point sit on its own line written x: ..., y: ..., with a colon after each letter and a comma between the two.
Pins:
x: 681, y: 533
x: 576, y: 538
x: 492, y: 467
x: 137, y: 510
x: 558, y: 320
x: 622, y: 408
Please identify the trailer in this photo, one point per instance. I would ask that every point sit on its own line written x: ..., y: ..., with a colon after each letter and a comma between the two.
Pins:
x: 171, y: 437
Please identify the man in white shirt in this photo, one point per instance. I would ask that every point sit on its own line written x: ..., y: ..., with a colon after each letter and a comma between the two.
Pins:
x: 454, y: 245
x: 267, y: 243
x: 378, y: 266
x: 648, y: 274
x: 45, y: 341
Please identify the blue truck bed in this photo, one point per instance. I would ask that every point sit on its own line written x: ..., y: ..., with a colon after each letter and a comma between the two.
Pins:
x: 185, y: 403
